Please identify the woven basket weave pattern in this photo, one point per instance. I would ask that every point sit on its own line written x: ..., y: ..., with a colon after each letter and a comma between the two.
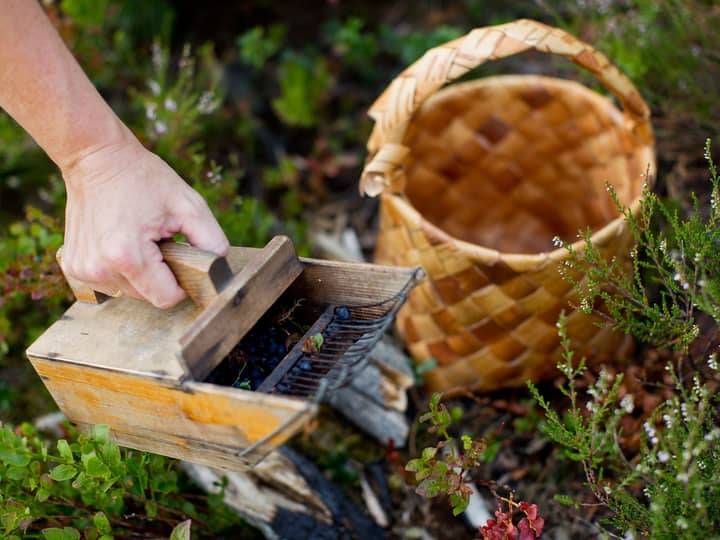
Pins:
x: 476, y: 180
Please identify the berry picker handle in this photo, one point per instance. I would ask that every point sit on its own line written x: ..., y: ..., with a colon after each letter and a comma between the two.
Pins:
x: 201, y: 274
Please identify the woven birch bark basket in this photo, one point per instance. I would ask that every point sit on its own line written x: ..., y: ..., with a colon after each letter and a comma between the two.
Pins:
x: 476, y: 179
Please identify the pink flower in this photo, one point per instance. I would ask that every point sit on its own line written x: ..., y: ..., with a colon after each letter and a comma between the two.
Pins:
x: 532, y: 525
x: 500, y: 529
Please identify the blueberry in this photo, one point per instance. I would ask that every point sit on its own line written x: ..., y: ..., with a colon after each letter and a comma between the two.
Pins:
x: 305, y: 365
x: 342, y: 313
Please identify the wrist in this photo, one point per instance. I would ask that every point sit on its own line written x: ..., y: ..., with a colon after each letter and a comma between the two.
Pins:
x: 116, y: 148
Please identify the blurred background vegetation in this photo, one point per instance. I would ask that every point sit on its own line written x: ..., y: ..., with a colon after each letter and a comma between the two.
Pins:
x: 261, y: 106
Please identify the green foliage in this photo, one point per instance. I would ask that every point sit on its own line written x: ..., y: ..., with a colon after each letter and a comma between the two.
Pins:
x: 409, y: 46
x: 443, y: 469
x: 304, y: 84
x: 666, y: 47
x: 677, y: 263
x: 676, y: 468
x: 669, y: 489
x: 88, y: 485
x: 29, y: 275
x: 85, y: 12
x: 175, y: 105
x: 259, y: 44
x: 353, y: 43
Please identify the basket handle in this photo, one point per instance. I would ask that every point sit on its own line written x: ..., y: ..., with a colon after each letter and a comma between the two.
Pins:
x: 447, y: 62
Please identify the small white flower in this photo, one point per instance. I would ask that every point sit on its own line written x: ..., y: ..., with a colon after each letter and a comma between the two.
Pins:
x: 627, y: 403
x: 157, y: 55
x: 682, y: 477
x: 677, y: 276
x: 668, y: 420
x: 682, y: 523
x: 207, y: 102
x: 556, y: 241
x: 170, y: 104
x: 161, y: 127
x: 150, y: 109
x: 663, y: 456
x: 154, y: 87
x: 712, y: 362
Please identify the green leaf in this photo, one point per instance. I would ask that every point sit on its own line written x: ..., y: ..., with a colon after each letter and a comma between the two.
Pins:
x: 85, y: 12
x: 257, y: 46
x: 14, y: 456
x: 102, y: 523
x: 43, y: 494
x: 182, y: 531
x: 459, y: 503
x: 151, y: 509
x: 96, y: 468
x: 63, y: 472
x: 17, y: 473
x: 101, y: 433
x: 566, y: 500
x: 64, y: 450
x: 67, y: 533
x: 304, y: 83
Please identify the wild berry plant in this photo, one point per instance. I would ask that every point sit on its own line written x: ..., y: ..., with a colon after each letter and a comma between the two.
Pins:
x: 86, y: 485
x: 444, y: 470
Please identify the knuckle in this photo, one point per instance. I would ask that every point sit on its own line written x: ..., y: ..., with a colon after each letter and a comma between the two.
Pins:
x: 121, y: 258
x: 92, y: 271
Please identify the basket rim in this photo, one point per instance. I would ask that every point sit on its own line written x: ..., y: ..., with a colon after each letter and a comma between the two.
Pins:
x: 517, y: 261
x: 519, y: 79
x: 522, y: 261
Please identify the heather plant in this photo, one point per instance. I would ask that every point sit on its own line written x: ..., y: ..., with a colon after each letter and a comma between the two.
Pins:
x: 668, y: 488
x: 666, y: 47
x: 675, y: 273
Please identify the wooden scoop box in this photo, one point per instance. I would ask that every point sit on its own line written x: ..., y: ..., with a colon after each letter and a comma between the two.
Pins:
x: 140, y: 369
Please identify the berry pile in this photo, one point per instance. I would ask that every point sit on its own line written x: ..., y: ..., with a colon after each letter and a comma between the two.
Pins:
x: 253, y: 359
x: 269, y: 341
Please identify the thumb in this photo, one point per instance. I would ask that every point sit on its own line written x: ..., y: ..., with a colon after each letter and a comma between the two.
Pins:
x: 203, y: 231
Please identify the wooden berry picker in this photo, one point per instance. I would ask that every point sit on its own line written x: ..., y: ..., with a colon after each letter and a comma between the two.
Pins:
x: 232, y: 372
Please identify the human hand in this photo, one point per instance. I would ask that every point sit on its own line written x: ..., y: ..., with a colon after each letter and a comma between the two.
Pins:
x: 121, y: 200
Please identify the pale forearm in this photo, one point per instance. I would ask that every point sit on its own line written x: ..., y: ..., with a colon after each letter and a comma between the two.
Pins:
x: 121, y: 198
x: 44, y: 89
